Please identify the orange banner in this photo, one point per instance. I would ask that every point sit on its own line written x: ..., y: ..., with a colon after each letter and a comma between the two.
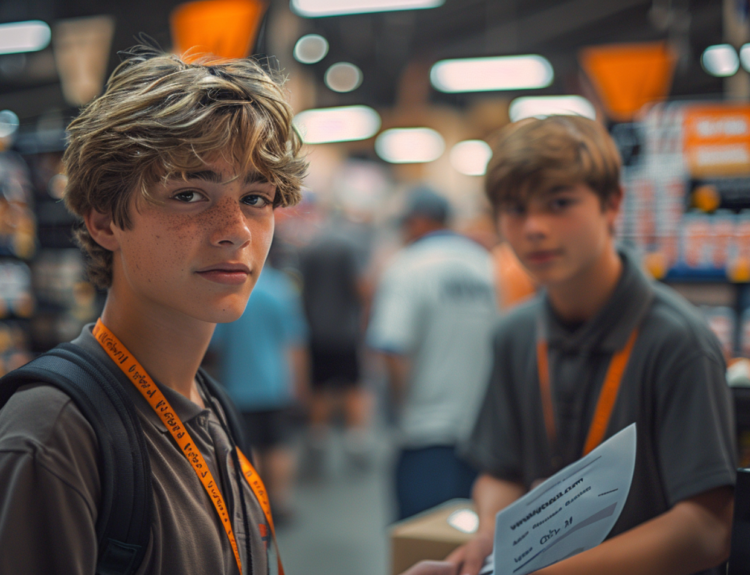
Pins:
x: 716, y: 139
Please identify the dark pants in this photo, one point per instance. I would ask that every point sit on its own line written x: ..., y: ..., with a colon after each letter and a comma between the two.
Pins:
x: 429, y: 476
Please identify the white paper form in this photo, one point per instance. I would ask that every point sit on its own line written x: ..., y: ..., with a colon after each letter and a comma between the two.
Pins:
x: 572, y: 511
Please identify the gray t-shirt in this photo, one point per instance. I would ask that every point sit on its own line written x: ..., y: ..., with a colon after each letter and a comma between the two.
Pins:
x: 674, y: 389
x: 50, y: 488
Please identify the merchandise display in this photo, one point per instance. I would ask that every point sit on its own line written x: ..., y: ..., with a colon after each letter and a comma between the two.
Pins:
x: 65, y: 300
x: 44, y: 296
x: 686, y: 202
x: 17, y: 247
x: 686, y: 210
x: 17, y: 222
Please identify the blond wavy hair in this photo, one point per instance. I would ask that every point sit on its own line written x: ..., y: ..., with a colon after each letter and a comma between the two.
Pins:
x: 535, y: 155
x: 161, y: 117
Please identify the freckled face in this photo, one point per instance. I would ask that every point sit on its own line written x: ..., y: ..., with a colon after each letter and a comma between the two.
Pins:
x: 201, y: 251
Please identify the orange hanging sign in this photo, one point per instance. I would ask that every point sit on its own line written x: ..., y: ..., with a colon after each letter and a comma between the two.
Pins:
x: 628, y: 76
x: 223, y: 28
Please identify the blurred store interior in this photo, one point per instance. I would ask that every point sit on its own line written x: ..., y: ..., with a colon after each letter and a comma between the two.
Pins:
x: 390, y: 96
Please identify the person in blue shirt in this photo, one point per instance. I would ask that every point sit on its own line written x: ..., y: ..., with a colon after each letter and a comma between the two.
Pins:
x: 262, y: 358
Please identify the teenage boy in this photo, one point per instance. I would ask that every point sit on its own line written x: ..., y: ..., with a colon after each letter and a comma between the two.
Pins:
x: 175, y: 170
x: 555, y: 185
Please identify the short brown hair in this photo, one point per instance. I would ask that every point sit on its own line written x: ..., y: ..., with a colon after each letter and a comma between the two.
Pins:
x: 535, y: 155
x: 161, y: 117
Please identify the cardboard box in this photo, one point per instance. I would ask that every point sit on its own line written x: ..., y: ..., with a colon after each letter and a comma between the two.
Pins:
x: 427, y: 535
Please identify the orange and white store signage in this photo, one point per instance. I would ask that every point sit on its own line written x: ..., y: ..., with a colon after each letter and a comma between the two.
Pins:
x: 716, y: 139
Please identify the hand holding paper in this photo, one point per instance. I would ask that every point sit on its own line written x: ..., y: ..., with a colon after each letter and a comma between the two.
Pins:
x: 572, y: 511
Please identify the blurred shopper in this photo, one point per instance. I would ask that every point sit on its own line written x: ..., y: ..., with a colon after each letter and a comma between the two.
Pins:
x: 555, y: 184
x: 332, y: 276
x: 432, y: 317
x: 263, y: 363
x: 121, y: 455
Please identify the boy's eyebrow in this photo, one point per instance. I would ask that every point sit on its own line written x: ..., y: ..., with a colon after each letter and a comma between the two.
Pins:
x: 556, y: 190
x: 205, y: 175
x: 216, y: 178
x: 255, y: 177
x: 523, y: 200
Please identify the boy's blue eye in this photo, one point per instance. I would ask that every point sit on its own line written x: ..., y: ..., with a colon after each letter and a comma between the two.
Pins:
x: 256, y: 201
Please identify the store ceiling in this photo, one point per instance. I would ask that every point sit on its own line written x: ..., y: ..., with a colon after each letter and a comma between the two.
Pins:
x: 383, y: 45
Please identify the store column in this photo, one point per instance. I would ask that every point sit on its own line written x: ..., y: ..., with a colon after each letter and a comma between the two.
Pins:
x: 737, y: 33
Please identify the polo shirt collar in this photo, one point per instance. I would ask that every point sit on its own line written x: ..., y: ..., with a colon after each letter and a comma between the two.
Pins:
x: 183, y: 407
x: 608, y: 330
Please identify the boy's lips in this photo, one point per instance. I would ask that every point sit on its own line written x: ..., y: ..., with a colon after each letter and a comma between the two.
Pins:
x: 541, y: 257
x: 225, y: 273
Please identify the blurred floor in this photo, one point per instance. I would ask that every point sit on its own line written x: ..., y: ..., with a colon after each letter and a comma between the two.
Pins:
x: 340, y: 519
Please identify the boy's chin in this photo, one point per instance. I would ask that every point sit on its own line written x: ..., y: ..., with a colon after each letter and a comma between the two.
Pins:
x: 224, y: 318
x: 223, y: 312
x: 226, y: 315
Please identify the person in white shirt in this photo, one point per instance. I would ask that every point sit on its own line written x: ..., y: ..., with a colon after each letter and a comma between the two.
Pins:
x: 432, y: 318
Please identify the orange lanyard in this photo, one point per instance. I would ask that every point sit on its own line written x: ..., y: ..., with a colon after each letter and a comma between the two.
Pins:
x: 607, y: 396
x: 143, y: 382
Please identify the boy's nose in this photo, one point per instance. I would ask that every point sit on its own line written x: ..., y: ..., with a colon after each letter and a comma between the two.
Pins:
x: 230, y: 225
x: 535, y: 226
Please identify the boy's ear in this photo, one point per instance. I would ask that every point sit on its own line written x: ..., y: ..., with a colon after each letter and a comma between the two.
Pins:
x: 100, y: 227
x: 614, y: 201
x: 612, y: 208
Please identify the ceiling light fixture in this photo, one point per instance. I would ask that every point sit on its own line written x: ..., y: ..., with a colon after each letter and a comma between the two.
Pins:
x: 409, y: 145
x: 310, y: 49
x: 745, y: 57
x: 470, y: 157
x: 543, y: 106
x: 343, y: 77
x: 342, y: 124
x: 30, y: 36
x: 318, y: 8
x: 496, y: 73
x: 720, y: 60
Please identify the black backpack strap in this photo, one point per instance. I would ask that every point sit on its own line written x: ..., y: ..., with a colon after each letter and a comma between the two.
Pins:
x: 124, y: 515
x: 234, y: 420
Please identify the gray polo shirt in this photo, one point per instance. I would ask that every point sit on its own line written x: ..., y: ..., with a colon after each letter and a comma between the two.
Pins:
x: 673, y: 388
x: 50, y: 488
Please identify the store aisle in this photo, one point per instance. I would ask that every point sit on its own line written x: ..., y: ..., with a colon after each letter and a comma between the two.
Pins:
x: 341, y: 519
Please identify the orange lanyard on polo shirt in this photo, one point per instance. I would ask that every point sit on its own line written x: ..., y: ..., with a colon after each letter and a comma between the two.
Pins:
x: 607, y: 396
x: 143, y: 382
